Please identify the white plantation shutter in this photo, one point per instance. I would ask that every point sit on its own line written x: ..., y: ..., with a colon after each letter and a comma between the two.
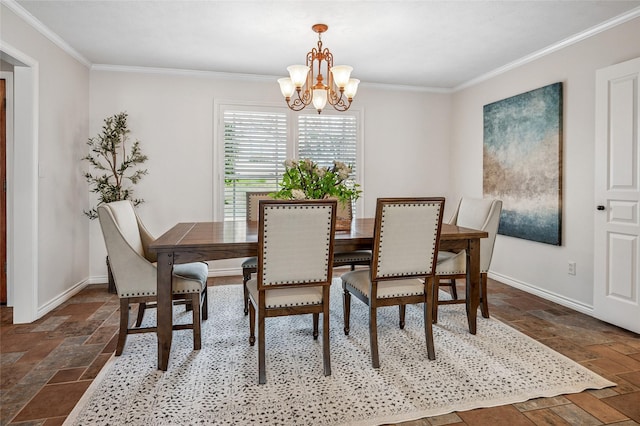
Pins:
x: 255, y: 145
x: 325, y: 138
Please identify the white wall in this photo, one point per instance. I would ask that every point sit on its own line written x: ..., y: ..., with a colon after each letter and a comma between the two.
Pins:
x: 542, y: 268
x: 62, y: 91
x: 405, y: 141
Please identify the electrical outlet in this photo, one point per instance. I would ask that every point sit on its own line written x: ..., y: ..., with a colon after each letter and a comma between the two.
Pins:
x: 572, y: 268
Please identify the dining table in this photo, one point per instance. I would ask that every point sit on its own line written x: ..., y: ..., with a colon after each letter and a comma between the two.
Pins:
x: 205, y: 241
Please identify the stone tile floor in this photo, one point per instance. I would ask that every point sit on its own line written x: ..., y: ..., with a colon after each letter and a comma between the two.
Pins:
x: 46, y: 366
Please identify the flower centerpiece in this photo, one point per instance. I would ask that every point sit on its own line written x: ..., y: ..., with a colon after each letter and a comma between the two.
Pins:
x: 305, y: 179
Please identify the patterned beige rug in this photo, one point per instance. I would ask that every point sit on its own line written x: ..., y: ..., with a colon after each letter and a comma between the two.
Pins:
x: 218, y: 385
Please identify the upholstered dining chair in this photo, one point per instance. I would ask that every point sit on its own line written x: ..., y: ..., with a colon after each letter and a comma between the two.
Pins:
x: 402, y: 271
x: 250, y: 264
x: 349, y: 258
x: 295, y: 253
x: 476, y: 213
x: 135, y: 272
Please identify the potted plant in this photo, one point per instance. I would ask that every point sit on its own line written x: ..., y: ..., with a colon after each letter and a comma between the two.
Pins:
x: 115, y: 168
x: 304, y: 179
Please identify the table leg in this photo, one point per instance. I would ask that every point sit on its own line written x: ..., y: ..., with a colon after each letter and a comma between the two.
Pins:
x: 473, y: 281
x: 165, y: 309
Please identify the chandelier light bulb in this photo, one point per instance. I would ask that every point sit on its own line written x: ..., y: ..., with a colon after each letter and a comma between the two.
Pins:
x: 341, y: 74
x: 298, y: 74
x: 287, y: 87
x: 351, y: 88
x: 319, y: 99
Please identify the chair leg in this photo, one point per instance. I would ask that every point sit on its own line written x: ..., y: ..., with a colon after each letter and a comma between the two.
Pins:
x: 262, y: 378
x: 197, y: 329
x: 402, y: 309
x: 483, y: 295
x: 316, y: 318
x: 252, y: 324
x: 124, y: 325
x: 436, y: 292
x: 205, y: 304
x: 373, y: 336
x: 428, y: 318
x: 346, y: 306
x: 246, y: 276
x: 326, y: 353
x: 141, y: 308
x: 454, y: 289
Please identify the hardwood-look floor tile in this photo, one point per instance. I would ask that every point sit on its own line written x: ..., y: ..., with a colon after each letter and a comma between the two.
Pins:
x: 538, y: 403
x: 53, y: 401
x: 575, y: 415
x: 67, y: 375
x: 628, y: 404
x: 506, y: 415
x: 633, y: 377
x: 445, y: 419
x: 598, y: 409
x: 545, y: 417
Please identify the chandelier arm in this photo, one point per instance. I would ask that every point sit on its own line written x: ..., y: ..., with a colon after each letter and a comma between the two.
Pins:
x: 300, y: 101
x: 340, y: 103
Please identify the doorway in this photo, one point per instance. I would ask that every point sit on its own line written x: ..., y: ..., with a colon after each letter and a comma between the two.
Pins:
x: 22, y: 186
x: 3, y: 196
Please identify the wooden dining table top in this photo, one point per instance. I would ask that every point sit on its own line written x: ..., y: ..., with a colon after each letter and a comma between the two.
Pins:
x: 234, y: 239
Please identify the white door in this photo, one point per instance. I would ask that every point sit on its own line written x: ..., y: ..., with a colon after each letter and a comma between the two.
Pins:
x: 616, y: 297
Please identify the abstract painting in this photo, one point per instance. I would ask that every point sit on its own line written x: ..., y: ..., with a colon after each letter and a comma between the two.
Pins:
x: 522, y: 163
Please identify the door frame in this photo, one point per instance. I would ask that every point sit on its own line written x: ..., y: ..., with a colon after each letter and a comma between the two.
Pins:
x: 22, y: 187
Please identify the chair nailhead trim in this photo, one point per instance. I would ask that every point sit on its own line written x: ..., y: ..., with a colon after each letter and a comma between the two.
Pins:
x: 425, y: 272
x: 264, y: 252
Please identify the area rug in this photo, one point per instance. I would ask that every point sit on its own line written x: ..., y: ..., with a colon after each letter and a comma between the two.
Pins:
x: 218, y: 385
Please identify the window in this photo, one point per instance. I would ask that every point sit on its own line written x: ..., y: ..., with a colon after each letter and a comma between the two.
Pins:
x: 257, y: 141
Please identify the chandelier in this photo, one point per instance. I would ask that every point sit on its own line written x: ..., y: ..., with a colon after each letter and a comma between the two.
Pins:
x: 306, y: 82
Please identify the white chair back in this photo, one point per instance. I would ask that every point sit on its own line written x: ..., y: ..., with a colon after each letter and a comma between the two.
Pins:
x: 295, y: 242
x: 133, y: 273
x: 406, y: 237
x: 253, y: 198
x: 482, y: 214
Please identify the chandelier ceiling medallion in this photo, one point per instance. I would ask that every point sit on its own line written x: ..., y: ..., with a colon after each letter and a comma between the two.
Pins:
x: 306, y: 81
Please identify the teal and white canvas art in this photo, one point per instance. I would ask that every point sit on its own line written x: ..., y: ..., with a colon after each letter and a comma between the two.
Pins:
x: 522, y: 163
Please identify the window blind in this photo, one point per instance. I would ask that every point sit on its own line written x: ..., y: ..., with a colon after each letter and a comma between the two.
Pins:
x: 325, y: 138
x: 255, y: 145
x: 255, y: 148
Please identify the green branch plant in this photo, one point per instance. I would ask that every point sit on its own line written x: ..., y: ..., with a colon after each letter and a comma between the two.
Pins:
x: 116, y: 168
x: 304, y: 179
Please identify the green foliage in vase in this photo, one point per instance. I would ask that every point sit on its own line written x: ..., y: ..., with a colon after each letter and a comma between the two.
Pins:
x: 306, y: 180
x: 116, y: 168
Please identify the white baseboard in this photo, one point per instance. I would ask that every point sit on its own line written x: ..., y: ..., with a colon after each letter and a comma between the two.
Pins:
x: 61, y: 298
x: 545, y: 294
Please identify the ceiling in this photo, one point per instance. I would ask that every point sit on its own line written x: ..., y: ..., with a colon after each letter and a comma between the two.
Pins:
x: 428, y: 44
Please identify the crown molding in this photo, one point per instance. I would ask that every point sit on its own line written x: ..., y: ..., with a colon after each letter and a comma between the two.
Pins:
x: 244, y: 77
x: 606, y: 25
x: 45, y: 31
x: 181, y: 72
